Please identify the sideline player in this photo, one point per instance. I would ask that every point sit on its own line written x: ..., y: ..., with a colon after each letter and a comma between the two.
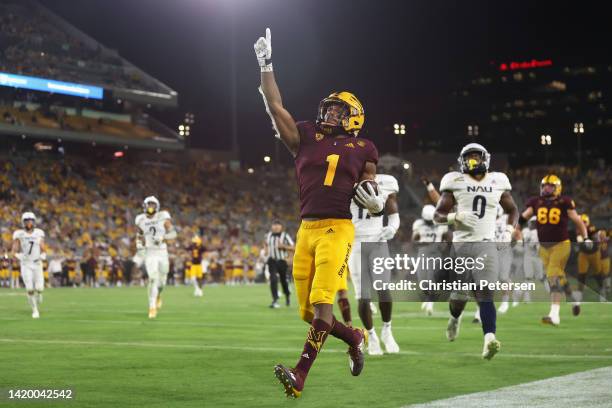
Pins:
x: 330, y: 159
x: 589, y: 259
x: 29, y: 248
x: 155, y: 230
x: 552, y: 211
x: 370, y: 229
x: 427, y: 236
x: 196, y: 272
x: 476, y: 192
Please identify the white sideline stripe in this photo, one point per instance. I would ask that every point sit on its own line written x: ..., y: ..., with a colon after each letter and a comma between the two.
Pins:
x: 291, y: 350
x: 587, y: 389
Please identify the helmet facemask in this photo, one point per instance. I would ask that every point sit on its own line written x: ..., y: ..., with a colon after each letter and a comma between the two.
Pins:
x: 28, y: 224
x: 474, y: 162
x: 548, y: 190
x: 333, y: 115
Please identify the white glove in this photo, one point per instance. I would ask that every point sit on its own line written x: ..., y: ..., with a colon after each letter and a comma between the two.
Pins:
x: 507, y: 235
x: 369, y: 198
x: 43, y: 256
x: 466, y: 218
x: 586, y: 243
x: 387, y: 233
x: 263, y: 51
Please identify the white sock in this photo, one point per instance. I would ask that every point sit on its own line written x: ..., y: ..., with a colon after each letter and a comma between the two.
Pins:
x: 577, y: 296
x: 32, y: 302
x: 477, y: 313
x: 387, y: 325
x: 153, y: 291
x: 372, y: 332
x: 39, y: 298
x: 554, y: 311
x: 489, y: 337
x: 505, y: 298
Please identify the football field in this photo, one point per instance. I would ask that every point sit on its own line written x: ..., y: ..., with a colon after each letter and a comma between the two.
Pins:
x: 220, y: 350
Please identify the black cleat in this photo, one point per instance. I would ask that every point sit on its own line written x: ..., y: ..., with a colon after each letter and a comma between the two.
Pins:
x: 356, y: 357
x: 576, y: 310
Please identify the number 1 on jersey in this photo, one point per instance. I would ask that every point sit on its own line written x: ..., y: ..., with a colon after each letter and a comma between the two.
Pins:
x: 332, y: 159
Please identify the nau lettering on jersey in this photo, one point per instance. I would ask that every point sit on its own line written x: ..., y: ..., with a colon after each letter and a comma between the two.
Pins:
x: 479, y: 189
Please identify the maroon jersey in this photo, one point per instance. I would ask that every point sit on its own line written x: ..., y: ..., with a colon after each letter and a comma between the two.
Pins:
x: 196, y: 253
x: 551, y: 216
x: 327, y: 169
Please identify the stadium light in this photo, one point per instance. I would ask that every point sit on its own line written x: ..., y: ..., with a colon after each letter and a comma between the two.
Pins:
x: 118, y: 154
x: 250, y: 170
x: 181, y: 133
x: 181, y: 127
x: 406, y: 166
x: 399, y: 129
x: 545, y: 140
x: 267, y: 159
x: 578, y: 127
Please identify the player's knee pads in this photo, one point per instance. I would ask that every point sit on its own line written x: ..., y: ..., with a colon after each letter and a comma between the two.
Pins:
x: 555, y: 284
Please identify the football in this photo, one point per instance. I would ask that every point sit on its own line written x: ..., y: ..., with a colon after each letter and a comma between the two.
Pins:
x: 368, y: 184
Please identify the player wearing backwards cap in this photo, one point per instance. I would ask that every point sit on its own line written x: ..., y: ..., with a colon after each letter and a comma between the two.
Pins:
x: 29, y: 248
x: 476, y: 192
x: 155, y: 230
x: 329, y: 159
x: 552, y: 211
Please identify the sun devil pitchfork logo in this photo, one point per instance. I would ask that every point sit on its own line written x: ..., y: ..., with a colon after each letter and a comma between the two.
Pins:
x: 315, y: 339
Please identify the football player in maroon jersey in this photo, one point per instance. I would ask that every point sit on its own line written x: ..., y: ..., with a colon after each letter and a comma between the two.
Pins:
x: 552, y: 211
x: 330, y: 160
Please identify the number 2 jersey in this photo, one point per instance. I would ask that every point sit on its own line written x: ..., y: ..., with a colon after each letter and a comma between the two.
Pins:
x: 327, y: 169
x: 365, y: 224
x: 153, y: 231
x: 551, y: 218
x: 30, y: 243
x: 480, y: 197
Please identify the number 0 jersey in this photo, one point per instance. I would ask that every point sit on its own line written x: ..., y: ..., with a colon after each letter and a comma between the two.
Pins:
x: 327, y: 169
x: 551, y: 218
x: 30, y: 243
x: 153, y: 230
x: 480, y: 197
x: 365, y: 224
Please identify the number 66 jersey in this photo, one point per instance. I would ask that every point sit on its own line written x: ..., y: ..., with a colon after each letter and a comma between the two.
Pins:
x: 480, y: 197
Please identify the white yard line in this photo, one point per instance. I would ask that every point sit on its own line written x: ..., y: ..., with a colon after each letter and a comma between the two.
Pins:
x: 587, y: 389
x: 288, y: 350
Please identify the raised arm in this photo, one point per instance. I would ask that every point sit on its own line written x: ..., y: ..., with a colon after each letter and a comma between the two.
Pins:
x: 282, y: 121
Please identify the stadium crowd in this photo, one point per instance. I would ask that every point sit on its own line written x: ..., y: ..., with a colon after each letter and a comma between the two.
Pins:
x: 31, y: 43
x: 88, y: 212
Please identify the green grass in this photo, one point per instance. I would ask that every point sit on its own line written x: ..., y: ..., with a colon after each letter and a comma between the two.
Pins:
x: 219, y: 351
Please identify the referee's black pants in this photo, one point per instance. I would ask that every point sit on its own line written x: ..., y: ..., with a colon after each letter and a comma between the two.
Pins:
x: 278, y: 267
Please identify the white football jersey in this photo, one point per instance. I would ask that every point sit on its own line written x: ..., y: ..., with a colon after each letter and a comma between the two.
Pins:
x: 30, y: 243
x: 530, y: 240
x: 480, y: 197
x: 365, y: 224
x: 428, y: 231
x: 153, y: 230
x: 500, y: 227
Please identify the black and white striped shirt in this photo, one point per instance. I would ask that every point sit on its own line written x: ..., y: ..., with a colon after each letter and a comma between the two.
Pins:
x: 274, y: 240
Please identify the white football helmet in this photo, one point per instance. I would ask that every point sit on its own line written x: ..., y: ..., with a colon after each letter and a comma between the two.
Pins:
x: 149, y: 200
x: 28, y: 216
x: 474, y: 168
x: 428, y: 212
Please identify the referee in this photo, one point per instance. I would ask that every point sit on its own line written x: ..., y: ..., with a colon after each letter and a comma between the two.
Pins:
x: 277, y: 244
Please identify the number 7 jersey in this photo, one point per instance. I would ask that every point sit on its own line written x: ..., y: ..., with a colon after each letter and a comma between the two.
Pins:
x: 327, y: 169
x: 480, y: 197
x: 153, y: 229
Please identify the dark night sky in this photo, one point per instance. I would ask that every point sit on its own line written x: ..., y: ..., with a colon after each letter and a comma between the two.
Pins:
x: 398, y: 57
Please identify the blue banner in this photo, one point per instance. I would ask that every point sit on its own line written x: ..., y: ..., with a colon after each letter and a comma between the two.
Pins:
x: 50, y: 85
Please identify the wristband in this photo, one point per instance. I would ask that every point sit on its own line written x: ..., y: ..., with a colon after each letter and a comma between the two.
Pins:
x: 450, y: 218
x: 430, y: 187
